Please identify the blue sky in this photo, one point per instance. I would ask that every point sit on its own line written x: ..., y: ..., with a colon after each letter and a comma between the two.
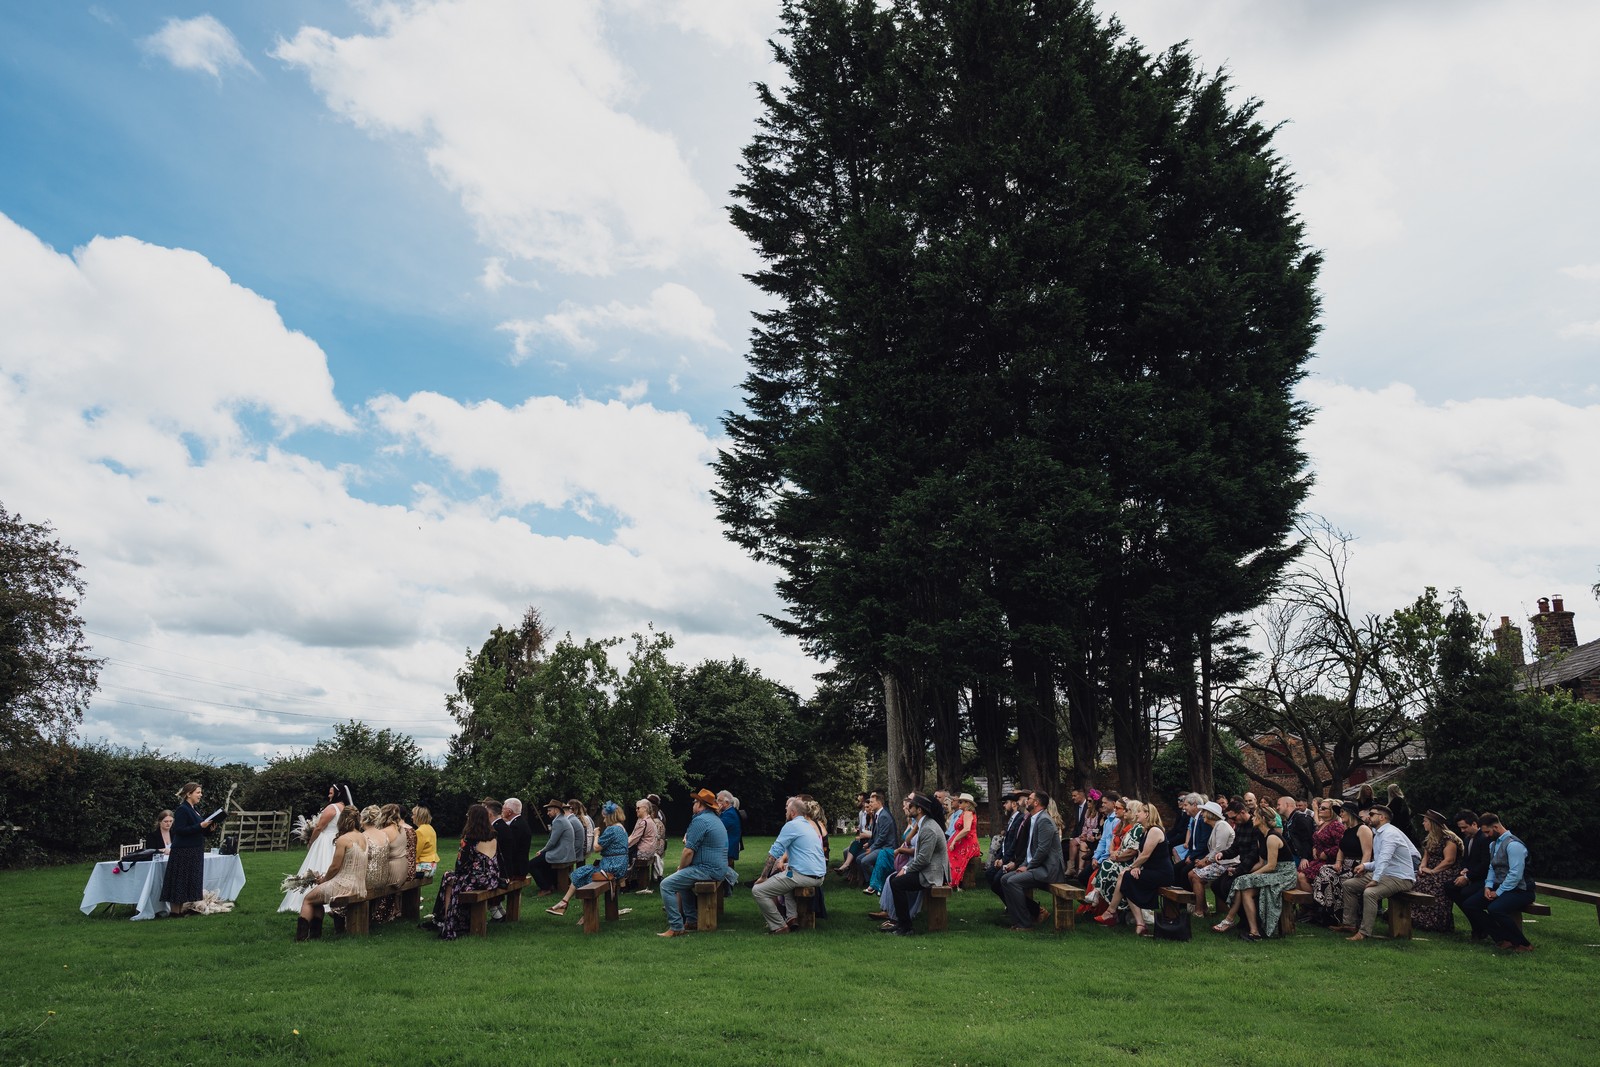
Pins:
x: 337, y: 332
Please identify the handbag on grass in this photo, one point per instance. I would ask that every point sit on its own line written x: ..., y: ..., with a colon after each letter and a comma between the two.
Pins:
x: 1172, y: 924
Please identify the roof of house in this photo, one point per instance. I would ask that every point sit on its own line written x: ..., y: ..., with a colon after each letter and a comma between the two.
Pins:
x: 1561, y: 667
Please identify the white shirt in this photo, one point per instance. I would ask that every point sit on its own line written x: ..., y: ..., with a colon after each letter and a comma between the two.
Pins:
x: 1393, y: 854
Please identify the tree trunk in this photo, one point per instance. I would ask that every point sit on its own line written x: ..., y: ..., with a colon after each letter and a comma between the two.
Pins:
x: 946, y: 735
x: 989, y: 731
x: 904, y: 750
x: 1038, y: 736
x: 1083, y: 727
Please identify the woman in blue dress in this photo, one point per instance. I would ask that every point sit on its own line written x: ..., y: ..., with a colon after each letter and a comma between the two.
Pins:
x: 613, y: 856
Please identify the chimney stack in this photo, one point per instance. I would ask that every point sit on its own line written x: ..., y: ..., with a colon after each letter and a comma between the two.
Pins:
x: 1553, y: 628
x: 1508, y: 642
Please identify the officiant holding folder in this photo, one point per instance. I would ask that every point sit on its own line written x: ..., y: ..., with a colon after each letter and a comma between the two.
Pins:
x: 186, y: 863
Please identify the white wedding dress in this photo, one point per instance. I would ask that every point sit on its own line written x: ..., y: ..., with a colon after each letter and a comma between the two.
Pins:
x: 318, y: 856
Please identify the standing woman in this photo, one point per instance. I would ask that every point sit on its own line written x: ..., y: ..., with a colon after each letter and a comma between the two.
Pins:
x: 319, y: 857
x: 963, y: 844
x: 1401, y: 809
x: 186, y: 862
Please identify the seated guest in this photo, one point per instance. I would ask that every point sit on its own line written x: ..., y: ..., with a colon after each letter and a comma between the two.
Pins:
x: 1298, y: 828
x: 1038, y: 863
x: 613, y: 857
x: 863, y: 834
x: 1084, y: 842
x: 1259, y: 894
x: 516, y: 838
x: 798, y: 863
x: 1111, y: 831
x: 1436, y: 875
x: 644, y: 842
x: 728, y: 812
x: 1232, y: 845
x: 1474, y: 859
x: 1003, y: 858
x: 1506, y: 890
x: 1355, y: 847
x: 346, y: 875
x: 1325, y: 841
x: 1126, y: 844
x: 1139, y: 889
x: 161, y: 840
x: 590, y: 837
x: 477, y: 869
x: 402, y: 863
x: 565, y: 845
x: 819, y: 819
x: 1393, y: 870
x: 377, y: 849
x: 881, y: 840
x: 1190, y: 836
x: 963, y: 840
x: 890, y: 861
x: 427, y: 841
x: 704, y: 859
x: 928, y: 866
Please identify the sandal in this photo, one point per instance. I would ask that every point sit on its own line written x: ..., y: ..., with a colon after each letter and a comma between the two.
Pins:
x: 1225, y: 925
x: 558, y: 909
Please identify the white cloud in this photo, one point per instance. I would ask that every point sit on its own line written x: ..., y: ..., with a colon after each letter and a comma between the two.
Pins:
x: 128, y: 377
x: 523, y: 112
x: 1580, y: 329
x: 634, y: 391
x: 1584, y: 272
x: 200, y: 43
x: 1492, y: 495
x: 746, y: 24
x: 673, y: 311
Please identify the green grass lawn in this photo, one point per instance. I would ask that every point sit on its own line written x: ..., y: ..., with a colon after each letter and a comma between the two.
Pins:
x: 235, y: 988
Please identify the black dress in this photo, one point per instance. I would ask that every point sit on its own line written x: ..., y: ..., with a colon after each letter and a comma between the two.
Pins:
x: 1145, y: 890
x: 186, y: 863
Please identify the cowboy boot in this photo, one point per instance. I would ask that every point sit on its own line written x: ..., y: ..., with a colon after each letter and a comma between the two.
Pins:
x: 302, y: 929
x: 338, y: 923
x: 316, y: 923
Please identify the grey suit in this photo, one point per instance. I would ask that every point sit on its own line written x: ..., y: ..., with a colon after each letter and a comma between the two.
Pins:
x: 566, y: 838
x: 883, y: 836
x: 929, y: 865
x: 1043, y: 866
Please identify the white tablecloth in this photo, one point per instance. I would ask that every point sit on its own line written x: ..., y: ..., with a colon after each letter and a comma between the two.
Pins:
x: 142, y: 886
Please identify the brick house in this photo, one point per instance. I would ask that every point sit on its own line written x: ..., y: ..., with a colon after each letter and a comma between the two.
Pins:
x: 1561, y: 662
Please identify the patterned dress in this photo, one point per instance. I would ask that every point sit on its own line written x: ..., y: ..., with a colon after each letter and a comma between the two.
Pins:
x: 1270, y: 887
x: 1438, y: 915
x: 1324, y: 847
x: 1110, y: 869
x: 1327, y: 888
x: 473, y: 871
x: 613, y: 857
x: 402, y: 868
x: 965, y: 850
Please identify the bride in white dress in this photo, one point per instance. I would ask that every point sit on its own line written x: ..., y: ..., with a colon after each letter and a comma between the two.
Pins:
x: 320, y: 854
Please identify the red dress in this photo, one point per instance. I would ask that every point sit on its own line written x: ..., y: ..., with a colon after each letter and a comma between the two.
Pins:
x: 966, y: 849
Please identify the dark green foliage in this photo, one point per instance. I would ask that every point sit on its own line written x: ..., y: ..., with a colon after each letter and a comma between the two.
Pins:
x: 68, y: 802
x: 46, y: 672
x: 566, y: 723
x: 380, y: 766
x: 738, y: 731
x: 1171, y: 772
x: 1532, y: 758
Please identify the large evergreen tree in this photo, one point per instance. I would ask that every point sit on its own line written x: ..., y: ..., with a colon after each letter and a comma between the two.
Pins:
x: 1019, y: 424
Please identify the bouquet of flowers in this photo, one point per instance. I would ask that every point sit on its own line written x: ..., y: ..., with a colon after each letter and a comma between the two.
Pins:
x: 303, y: 828
x: 293, y: 882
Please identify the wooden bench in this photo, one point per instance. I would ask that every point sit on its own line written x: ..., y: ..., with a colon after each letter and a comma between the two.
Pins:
x: 708, y: 902
x: 480, y: 899
x: 1180, y: 899
x: 1546, y: 889
x: 936, y: 906
x: 639, y: 875
x: 358, y: 912
x: 1400, y: 912
x: 590, y: 895
x: 1065, y: 899
x: 805, y: 898
x: 1292, y: 899
x: 563, y: 872
x: 972, y: 877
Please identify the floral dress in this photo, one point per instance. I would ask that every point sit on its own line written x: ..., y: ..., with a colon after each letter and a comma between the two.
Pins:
x: 1327, y: 888
x: 474, y: 871
x: 1270, y: 887
x: 1110, y: 869
x: 1438, y: 915
x: 613, y: 857
x: 1324, y: 848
